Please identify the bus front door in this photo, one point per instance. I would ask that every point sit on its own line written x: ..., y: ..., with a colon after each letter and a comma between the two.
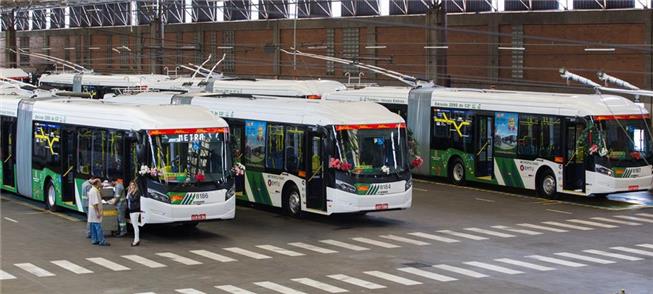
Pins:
x: 8, y: 149
x: 68, y: 168
x: 483, y: 147
x: 573, y: 173
x: 315, y: 189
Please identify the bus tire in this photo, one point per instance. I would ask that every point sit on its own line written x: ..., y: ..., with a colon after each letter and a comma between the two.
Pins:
x: 292, y: 200
x: 456, y: 171
x: 546, y: 184
x: 50, y: 196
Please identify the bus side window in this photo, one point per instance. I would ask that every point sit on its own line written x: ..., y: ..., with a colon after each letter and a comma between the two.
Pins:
x: 236, y: 142
x: 528, y: 141
x: 47, y: 146
x: 115, y: 155
x: 84, y: 142
x: 294, y: 149
x: 461, y: 127
x: 275, y: 154
x: 98, y: 154
x: 440, y: 130
x: 550, y: 137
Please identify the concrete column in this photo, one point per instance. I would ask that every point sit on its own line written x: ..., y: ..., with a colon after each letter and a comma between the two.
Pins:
x: 648, y: 67
x: 139, y: 49
x: 436, y: 39
x: 156, y: 47
x: 10, y: 40
x: 370, y: 40
x: 493, y: 49
x: 276, y: 41
x: 200, y: 54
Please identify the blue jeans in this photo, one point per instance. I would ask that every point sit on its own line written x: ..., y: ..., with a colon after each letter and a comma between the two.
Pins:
x: 97, y: 236
x: 121, y: 206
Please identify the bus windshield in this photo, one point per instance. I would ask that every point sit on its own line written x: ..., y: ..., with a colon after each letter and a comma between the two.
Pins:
x: 628, y: 142
x: 373, y: 151
x: 191, y: 158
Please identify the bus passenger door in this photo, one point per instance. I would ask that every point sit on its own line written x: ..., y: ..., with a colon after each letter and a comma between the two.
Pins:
x: 8, y: 148
x: 315, y: 189
x: 574, y: 167
x: 237, y: 141
x: 68, y: 168
x: 483, y: 147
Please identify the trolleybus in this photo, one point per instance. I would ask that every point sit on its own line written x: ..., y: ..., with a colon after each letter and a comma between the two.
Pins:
x: 311, y: 155
x: 50, y: 146
x: 97, y: 85
x: 311, y: 89
x: 551, y: 143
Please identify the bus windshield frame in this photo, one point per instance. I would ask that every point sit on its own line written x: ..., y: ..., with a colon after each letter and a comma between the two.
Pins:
x: 627, y: 139
x: 206, y: 160
x: 373, y: 150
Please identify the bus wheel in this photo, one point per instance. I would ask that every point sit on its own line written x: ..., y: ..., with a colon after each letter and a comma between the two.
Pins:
x: 457, y: 172
x: 546, y: 185
x: 293, y: 202
x: 50, y: 197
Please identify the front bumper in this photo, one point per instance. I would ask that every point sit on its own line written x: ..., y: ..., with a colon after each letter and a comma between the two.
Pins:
x: 604, y: 184
x: 157, y: 212
x: 339, y: 201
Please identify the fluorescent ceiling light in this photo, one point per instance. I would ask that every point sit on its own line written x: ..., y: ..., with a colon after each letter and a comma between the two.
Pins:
x: 512, y: 48
x: 599, y: 49
x: 436, y: 47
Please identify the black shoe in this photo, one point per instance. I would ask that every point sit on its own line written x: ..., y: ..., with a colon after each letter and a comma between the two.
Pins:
x: 136, y: 244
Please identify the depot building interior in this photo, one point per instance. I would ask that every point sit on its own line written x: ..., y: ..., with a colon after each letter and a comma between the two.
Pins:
x: 326, y: 146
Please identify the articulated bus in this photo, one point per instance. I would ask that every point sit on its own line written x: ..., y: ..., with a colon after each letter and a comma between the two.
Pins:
x: 552, y: 143
x: 311, y: 155
x: 50, y: 146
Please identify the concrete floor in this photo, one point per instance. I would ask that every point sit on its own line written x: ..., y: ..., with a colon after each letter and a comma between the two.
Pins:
x: 387, y: 252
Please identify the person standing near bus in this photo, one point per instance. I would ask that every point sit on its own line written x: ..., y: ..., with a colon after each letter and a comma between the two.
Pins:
x: 86, y: 186
x: 121, y: 206
x: 134, y: 208
x: 95, y: 214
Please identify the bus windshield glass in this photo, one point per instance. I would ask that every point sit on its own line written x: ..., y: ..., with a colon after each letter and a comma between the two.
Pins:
x: 373, y: 151
x: 190, y: 158
x: 628, y: 142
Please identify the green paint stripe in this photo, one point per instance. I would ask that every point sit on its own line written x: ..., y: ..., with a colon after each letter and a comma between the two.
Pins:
x: 259, y: 188
x: 509, y: 172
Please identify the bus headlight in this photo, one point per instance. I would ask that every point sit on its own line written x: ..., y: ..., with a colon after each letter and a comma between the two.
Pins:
x: 230, y: 193
x: 603, y: 170
x: 409, y: 184
x: 156, y: 195
x: 349, y: 188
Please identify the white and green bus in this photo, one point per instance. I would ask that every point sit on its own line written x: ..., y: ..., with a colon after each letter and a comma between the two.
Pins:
x: 50, y: 146
x: 552, y: 143
x: 310, y: 155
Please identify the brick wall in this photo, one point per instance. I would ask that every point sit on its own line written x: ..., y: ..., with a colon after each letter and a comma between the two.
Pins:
x: 552, y: 40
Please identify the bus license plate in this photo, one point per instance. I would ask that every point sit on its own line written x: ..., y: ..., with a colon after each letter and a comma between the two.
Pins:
x: 381, y: 206
x: 633, y: 187
x: 198, y: 217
